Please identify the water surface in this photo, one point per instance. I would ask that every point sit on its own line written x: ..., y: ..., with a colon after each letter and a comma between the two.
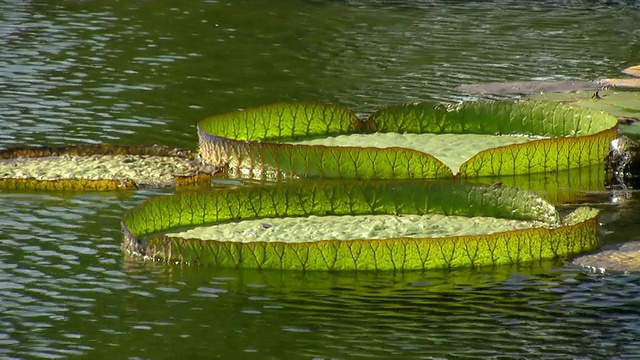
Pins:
x: 146, y: 72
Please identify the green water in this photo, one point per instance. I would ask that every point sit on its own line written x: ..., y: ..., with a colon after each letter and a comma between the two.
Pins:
x: 146, y: 72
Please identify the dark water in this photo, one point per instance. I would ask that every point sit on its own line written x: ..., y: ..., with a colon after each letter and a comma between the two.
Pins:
x: 146, y: 72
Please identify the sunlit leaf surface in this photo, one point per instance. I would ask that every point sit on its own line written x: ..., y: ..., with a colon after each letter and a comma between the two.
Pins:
x: 145, y: 226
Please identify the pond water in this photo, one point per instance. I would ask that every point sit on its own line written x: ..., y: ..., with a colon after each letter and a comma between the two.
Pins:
x: 146, y: 72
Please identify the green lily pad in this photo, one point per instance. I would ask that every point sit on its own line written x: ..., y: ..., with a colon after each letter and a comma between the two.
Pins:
x: 615, y: 102
x: 151, y: 229
x: 573, y: 137
x: 624, y: 105
x: 347, y: 227
x: 257, y: 142
x: 451, y: 149
x: 99, y: 167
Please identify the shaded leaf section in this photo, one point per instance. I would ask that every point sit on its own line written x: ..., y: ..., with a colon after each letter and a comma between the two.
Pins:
x: 586, y: 184
x: 66, y: 185
x: 143, y: 226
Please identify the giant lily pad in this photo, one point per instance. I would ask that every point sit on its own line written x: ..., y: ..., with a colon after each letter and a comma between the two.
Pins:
x: 624, y: 105
x: 615, y: 102
x: 258, y: 142
x: 153, y: 228
x: 99, y: 167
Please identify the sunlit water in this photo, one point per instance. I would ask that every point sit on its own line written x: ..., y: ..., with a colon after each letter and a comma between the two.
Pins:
x: 146, y: 72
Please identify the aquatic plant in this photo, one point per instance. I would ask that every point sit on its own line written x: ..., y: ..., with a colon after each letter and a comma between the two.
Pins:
x: 287, y: 141
x: 99, y: 168
x: 146, y: 227
x: 257, y: 142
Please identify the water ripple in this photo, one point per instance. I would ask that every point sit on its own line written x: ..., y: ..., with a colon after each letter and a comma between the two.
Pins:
x: 97, y: 72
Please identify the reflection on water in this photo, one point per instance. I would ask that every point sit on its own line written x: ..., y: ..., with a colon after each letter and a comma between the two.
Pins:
x: 146, y: 72
x: 67, y: 289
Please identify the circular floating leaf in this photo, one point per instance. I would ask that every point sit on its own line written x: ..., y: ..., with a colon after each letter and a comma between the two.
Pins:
x: 99, y: 167
x: 578, y: 137
x: 615, y: 102
x: 145, y: 226
x: 255, y: 142
x: 451, y: 149
x: 624, y: 105
x: 250, y: 142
